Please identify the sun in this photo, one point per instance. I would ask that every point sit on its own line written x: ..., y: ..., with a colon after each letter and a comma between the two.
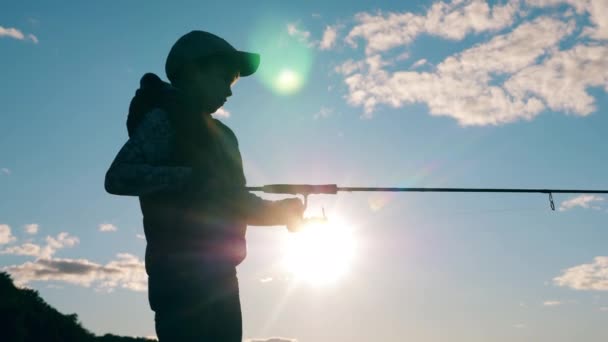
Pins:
x: 288, y: 81
x: 321, y: 253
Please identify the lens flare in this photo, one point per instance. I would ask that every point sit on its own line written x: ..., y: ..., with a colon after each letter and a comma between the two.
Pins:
x: 321, y: 253
x: 288, y: 81
x: 286, y: 59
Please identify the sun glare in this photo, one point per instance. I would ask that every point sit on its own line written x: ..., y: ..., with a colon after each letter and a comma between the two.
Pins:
x: 288, y: 81
x: 321, y: 253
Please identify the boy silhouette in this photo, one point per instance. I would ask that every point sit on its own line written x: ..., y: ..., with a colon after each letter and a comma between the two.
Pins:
x: 186, y: 169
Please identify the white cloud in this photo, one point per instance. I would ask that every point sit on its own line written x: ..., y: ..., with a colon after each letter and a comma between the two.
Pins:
x: 515, y: 75
x: 329, y: 38
x: 11, y: 32
x: 453, y: 20
x: 53, y: 244
x: 5, y: 171
x: 563, y: 79
x: 597, y: 10
x: 402, y: 56
x: 107, y: 227
x: 604, y: 308
x: 583, y: 201
x: 14, y: 33
x: 593, y: 276
x: 33, y: 38
x: 31, y: 229
x: 349, y: 66
x: 28, y: 249
x: 62, y: 240
x: 271, y: 339
x: 141, y: 236
x: 127, y: 272
x: 222, y: 113
x: 323, y: 113
x: 552, y: 303
x: 419, y: 63
x: 5, y: 234
x: 463, y: 86
x: 519, y: 326
x: 265, y: 280
x: 301, y: 35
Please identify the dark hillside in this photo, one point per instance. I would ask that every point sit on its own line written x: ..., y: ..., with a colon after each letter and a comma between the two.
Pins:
x: 25, y: 317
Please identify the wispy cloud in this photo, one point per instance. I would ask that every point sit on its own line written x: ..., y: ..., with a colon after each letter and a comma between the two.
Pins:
x: 453, y: 20
x: 31, y: 229
x: 583, y: 201
x: 271, y: 339
x: 349, y: 66
x: 221, y: 113
x: 126, y: 271
x: 33, y: 38
x: 5, y: 234
x: 327, y: 41
x: 107, y: 227
x: 329, y: 38
x: 596, y: 9
x: 53, y: 244
x: 28, y: 249
x: 62, y: 240
x: 11, y: 32
x: 419, y: 63
x: 301, y: 35
x: 552, y: 303
x: 5, y: 171
x: 592, y: 276
x: 323, y: 113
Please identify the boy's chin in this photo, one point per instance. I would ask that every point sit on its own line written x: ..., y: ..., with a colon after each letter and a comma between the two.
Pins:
x: 212, y: 109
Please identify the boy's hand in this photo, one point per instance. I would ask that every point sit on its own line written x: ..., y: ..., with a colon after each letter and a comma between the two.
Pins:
x: 292, y: 210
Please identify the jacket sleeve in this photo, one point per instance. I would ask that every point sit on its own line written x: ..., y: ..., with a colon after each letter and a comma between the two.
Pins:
x: 262, y: 212
x: 140, y: 167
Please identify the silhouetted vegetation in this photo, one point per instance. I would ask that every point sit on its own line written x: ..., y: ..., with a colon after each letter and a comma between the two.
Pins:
x: 25, y: 317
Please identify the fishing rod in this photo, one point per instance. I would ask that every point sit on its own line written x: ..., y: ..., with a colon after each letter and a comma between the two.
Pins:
x: 332, y: 189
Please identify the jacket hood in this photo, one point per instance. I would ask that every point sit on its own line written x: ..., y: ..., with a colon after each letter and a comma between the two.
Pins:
x: 152, y: 93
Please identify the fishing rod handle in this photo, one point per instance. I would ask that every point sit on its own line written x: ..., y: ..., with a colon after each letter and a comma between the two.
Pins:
x: 300, y: 189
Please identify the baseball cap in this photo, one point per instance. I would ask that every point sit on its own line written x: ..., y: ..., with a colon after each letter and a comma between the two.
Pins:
x: 199, y: 44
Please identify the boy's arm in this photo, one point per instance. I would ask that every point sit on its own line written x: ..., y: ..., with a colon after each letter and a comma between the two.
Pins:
x: 263, y: 212
x: 138, y: 168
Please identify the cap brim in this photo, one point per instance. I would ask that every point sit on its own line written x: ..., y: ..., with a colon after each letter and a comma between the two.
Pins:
x: 247, y: 62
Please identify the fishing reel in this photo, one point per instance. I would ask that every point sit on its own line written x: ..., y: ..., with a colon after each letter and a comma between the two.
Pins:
x: 305, y: 191
x: 304, y: 222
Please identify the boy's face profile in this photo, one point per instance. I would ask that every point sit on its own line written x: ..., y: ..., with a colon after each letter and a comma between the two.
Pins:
x: 209, y: 85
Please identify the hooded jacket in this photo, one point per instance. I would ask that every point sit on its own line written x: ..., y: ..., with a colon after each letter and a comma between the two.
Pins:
x: 189, y: 177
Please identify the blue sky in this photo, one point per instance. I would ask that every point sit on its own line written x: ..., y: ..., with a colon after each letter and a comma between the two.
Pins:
x: 379, y: 93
